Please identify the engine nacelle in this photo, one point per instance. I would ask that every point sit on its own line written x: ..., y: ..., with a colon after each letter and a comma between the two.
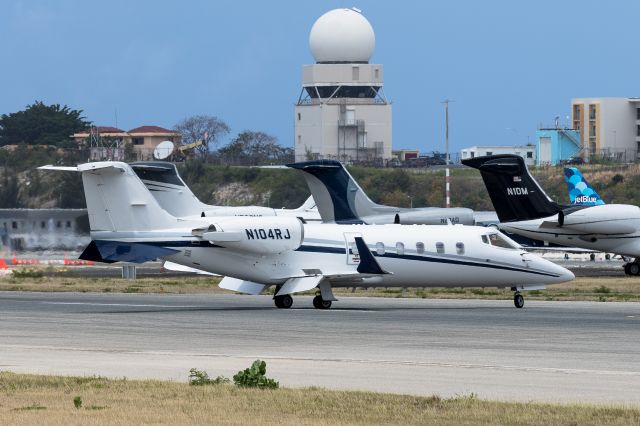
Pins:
x: 604, y: 219
x: 254, y: 211
x: 267, y: 235
x: 437, y: 216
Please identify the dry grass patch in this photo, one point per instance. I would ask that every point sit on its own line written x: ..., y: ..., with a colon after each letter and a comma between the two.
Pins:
x: 604, y: 289
x: 181, y: 285
x: 32, y: 399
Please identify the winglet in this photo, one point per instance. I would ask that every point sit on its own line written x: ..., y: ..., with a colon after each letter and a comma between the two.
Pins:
x: 368, y: 263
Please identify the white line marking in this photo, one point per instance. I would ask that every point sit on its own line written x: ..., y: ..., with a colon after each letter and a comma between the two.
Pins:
x: 122, y: 304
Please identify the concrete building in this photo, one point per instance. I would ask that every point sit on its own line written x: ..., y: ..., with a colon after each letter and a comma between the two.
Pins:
x: 342, y: 112
x: 43, y: 229
x: 555, y: 145
x: 609, y: 127
x: 528, y: 152
x: 109, y: 142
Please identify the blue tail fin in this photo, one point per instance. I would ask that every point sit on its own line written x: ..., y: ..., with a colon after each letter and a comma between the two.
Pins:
x: 580, y: 192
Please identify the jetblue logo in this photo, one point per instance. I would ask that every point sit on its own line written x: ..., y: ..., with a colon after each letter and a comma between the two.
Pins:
x: 268, y: 234
x: 517, y: 191
x: 585, y: 199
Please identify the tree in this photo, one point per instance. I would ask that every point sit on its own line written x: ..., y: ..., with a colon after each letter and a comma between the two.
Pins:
x: 206, y: 128
x: 41, y: 124
x: 254, y: 148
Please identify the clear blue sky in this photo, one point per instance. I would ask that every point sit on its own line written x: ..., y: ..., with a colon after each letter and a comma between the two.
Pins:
x: 509, y: 65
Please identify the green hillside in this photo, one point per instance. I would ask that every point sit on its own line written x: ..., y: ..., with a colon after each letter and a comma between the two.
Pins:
x: 23, y: 186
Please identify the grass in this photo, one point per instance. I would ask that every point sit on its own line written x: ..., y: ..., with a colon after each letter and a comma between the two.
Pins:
x: 603, y: 289
x: 33, y: 399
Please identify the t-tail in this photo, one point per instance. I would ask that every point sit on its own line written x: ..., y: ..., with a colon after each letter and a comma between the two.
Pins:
x: 173, y: 195
x: 121, y: 210
x: 515, y: 194
x: 338, y: 196
x: 580, y: 192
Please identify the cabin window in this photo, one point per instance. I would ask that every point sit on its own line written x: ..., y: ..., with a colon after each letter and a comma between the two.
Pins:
x: 500, y: 241
x: 380, y: 249
x: 440, y: 247
x: 485, y: 239
x: 460, y: 248
x: 420, y: 248
x: 14, y: 224
x: 68, y: 224
x: 400, y: 248
x: 43, y: 224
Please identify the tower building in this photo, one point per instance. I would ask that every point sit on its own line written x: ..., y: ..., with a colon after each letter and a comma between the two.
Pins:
x: 342, y: 112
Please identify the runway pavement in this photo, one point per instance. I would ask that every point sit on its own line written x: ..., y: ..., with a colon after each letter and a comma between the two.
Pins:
x: 548, y: 351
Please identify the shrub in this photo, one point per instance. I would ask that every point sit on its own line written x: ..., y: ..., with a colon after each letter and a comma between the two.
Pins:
x: 77, y: 402
x: 27, y: 273
x: 201, y: 378
x: 254, y: 377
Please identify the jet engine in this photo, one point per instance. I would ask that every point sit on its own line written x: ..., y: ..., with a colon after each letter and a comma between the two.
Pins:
x: 605, y: 219
x: 436, y: 216
x: 266, y: 235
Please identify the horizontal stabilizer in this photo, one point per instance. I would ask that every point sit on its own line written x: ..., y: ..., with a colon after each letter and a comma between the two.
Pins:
x: 299, y: 284
x: 59, y: 168
x: 368, y: 263
x: 117, y: 251
x: 241, y: 286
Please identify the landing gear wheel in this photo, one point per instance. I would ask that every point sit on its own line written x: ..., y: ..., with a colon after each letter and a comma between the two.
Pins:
x: 320, y: 303
x: 518, y: 300
x: 283, y: 302
x: 634, y: 268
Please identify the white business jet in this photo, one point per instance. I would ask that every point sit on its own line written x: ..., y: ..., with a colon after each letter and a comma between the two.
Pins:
x: 253, y: 253
x: 173, y: 195
x: 525, y: 209
x: 341, y: 200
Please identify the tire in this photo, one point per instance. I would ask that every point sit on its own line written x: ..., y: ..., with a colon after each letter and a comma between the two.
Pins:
x: 283, y: 302
x: 320, y: 303
x: 626, y: 269
x: 518, y: 300
x: 634, y: 268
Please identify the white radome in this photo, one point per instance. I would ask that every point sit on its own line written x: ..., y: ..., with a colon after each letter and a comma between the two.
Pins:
x: 342, y: 35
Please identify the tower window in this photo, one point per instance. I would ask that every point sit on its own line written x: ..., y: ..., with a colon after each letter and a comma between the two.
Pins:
x: 299, y: 116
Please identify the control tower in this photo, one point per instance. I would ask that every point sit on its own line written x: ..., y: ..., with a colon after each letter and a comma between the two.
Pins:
x: 342, y: 112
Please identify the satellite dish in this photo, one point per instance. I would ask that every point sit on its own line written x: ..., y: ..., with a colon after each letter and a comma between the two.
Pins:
x: 163, y: 150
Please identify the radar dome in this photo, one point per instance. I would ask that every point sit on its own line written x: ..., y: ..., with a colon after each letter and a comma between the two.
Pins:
x: 342, y: 35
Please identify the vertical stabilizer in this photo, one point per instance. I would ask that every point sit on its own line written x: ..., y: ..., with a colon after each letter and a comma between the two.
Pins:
x: 168, y: 188
x: 338, y: 196
x: 515, y: 194
x: 580, y: 192
x: 118, y: 201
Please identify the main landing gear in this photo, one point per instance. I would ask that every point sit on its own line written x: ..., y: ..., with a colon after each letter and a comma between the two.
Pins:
x: 632, y: 268
x: 283, y: 302
x: 320, y: 303
x: 518, y: 300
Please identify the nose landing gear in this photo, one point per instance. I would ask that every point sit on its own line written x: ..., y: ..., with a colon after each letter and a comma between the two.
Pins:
x: 518, y: 300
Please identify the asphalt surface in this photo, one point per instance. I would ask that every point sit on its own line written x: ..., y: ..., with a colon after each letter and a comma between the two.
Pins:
x: 548, y: 351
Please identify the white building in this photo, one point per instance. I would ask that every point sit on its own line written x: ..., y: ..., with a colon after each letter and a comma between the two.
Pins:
x: 342, y: 112
x: 528, y: 152
x: 609, y: 127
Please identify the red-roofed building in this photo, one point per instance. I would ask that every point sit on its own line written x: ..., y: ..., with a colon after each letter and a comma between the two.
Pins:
x: 109, y: 142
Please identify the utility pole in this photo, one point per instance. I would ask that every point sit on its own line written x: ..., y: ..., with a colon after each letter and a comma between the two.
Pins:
x: 446, y: 154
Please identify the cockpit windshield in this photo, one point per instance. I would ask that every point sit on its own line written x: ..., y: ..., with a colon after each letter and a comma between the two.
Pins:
x: 499, y: 240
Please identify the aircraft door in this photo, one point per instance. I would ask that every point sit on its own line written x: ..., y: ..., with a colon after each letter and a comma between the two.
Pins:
x: 353, y: 257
